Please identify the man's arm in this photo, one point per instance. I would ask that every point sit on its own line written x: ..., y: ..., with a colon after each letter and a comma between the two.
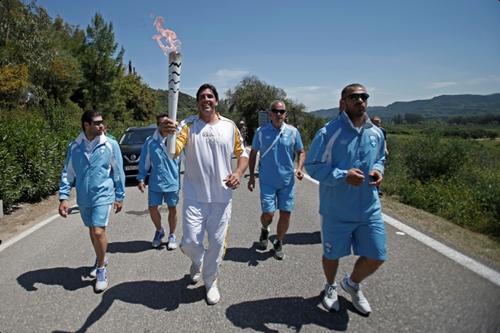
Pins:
x: 118, y: 177
x: 67, y: 180
x: 144, y: 165
x: 318, y: 163
x: 251, y: 164
x: 299, y: 173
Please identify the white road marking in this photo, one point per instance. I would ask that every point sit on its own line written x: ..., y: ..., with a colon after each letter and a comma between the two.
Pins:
x: 27, y: 232
x: 467, y: 262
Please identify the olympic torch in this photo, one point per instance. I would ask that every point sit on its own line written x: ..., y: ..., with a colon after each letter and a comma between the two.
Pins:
x: 174, y: 81
x: 171, y: 48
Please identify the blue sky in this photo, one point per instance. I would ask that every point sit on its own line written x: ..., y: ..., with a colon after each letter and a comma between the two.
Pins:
x: 400, y: 50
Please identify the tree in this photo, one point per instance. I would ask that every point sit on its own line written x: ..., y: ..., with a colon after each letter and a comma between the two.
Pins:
x: 250, y: 96
x: 101, y: 69
x: 413, y: 118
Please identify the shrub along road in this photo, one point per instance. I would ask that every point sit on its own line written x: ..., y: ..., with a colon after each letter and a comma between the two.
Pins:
x: 417, y: 290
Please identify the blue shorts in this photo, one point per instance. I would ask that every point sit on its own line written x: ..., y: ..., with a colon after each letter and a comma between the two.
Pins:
x: 97, y: 216
x: 157, y: 198
x: 367, y: 239
x: 272, y: 197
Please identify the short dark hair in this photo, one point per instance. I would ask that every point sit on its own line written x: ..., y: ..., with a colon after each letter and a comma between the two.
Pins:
x: 88, y: 115
x: 207, y: 86
x: 346, y: 89
x: 158, y: 117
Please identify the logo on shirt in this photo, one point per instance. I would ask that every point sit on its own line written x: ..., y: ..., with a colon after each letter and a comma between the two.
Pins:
x: 373, y: 140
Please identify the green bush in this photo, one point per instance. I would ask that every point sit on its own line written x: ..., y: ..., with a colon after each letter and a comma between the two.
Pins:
x: 31, y: 158
x: 454, y: 178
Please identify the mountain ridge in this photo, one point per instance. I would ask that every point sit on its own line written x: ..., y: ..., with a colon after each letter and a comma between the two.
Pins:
x: 442, y: 106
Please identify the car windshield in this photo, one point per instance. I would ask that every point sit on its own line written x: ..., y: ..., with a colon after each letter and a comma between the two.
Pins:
x: 137, y: 137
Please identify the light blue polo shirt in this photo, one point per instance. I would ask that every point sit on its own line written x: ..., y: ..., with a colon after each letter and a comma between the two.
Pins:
x: 277, y: 149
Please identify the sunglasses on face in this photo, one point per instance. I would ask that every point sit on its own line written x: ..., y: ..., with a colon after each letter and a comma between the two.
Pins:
x: 355, y: 97
x: 98, y: 123
x: 278, y: 111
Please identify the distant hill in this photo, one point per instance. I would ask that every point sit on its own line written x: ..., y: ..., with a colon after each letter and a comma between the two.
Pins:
x: 443, y: 106
x: 186, y: 104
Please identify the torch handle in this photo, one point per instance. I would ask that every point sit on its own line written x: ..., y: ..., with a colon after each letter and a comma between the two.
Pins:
x: 174, y: 82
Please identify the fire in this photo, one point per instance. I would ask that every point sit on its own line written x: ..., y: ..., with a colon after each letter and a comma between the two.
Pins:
x: 166, y: 38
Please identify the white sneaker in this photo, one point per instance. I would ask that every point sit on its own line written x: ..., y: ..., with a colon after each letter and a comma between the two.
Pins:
x: 194, y: 273
x: 213, y: 295
x: 172, y: 242
x: 330, y: 299
x: 159, y: 234
x: 357, y: 298
x: 93, y: 271
x: 101, y: 282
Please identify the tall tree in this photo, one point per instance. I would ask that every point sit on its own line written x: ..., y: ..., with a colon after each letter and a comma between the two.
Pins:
x: 102, y: 68
x: 250, y: 96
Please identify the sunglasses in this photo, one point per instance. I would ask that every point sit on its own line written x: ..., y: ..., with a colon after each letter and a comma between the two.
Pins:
x: 278, y: 111
x: 98, y: 123
x: 355, y: 97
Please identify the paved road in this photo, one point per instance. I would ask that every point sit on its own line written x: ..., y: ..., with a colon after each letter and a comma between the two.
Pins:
x: 417, y: 290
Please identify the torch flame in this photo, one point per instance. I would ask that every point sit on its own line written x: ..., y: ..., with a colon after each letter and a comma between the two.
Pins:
x: 171, y: 44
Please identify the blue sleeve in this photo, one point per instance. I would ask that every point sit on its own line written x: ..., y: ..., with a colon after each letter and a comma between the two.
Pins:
x: 298, y: 142
x: 117, y: 172
x: 379, y: 164
x: 67, y: 177
x: 318, y: 165
x: 143, y: 171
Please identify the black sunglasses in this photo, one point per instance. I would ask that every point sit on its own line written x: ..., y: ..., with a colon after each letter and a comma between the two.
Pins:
x: 355, y: 97
x: 278, y: 111
x: 98, y: 123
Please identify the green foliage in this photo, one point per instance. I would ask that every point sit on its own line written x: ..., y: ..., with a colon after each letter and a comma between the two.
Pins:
x: 13, y: 83
x: 453, y: 178
x: 250, y: 96
x: 32, y: 157
x: 99, y: 90
x: 432, y: 157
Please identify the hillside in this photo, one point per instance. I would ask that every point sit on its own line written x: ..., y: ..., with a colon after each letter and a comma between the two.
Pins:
x: 186, y: 103
x: 443, y: 106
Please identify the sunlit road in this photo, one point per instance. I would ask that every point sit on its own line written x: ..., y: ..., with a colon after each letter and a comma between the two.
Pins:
x: 417, y: 290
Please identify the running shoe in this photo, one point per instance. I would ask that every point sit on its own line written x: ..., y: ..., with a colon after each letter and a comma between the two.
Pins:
x: 172, y: 242
x: 264, y: 238
x: 278, y: 250
x: 357, y: 298
x: 93, y: 271
x: 101, y: 282
x: 330, y: 298
x: 213, y: 295
x: 159, y: 234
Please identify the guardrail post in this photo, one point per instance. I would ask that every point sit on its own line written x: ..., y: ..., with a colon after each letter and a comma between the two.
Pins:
x: 1, y: 208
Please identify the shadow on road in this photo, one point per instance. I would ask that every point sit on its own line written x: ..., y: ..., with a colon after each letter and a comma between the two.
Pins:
x: 157, y: 295
x: 137, y: 212
x: 129, y: 247
x: 252, y: 255
x: 68, y: 278
x: 303, y: 238
x: 268, y: 315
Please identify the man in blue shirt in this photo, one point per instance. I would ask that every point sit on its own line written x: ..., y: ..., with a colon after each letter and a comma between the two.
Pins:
x: 163, y: 181
x: 347, y: 158
x: 278, y: 144
x: 94, y: 166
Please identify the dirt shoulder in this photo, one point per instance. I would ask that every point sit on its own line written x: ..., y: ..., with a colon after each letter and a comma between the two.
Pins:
x: 25, y: 215
x: 475, y: 245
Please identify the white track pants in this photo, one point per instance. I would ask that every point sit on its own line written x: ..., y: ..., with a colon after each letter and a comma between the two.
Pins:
x: 197, y: 218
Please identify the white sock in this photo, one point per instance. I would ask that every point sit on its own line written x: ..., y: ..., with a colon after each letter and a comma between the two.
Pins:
x: 352, y: 283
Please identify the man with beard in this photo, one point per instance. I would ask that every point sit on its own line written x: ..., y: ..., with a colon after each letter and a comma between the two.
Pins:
x: 347, y: 158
